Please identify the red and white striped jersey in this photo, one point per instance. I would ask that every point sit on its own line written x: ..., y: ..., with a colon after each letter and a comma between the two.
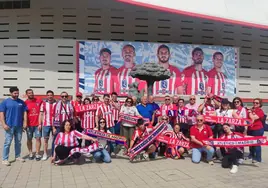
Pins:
x: 182, y: 115
x: 47, y: 109
x: 123, y: 80
x: 178, y: 135
x: 62, y: 112
x: 139, y: 134
x: 68, y: 139
x: 168, y: 86
x: 114, y: 110
x: 76, y: 103
x: 208, y: 109
x: 105, y: 80
x: 88, y: 120
x: 165, y: 108
x: 195, y: 82
x: 217, y: 81
x: 105, y: 111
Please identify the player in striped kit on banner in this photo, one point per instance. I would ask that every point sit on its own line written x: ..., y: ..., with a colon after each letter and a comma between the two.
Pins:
x: 172, y: 85
x: 105, y: 77
x: 217, y: 80
x: 194, y: 77
x: 46, y: 120
x: 123, y: 77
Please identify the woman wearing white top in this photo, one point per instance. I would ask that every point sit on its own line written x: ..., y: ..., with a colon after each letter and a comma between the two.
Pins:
x: 126, y: 128
x: 241, y: 111
x: 224, y: 111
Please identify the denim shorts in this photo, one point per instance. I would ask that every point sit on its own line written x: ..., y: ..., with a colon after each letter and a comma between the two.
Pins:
x: 33, y: 131
x: 46, y: 131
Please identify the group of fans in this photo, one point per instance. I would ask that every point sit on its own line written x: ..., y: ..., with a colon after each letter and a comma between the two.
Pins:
x: 40, y: 118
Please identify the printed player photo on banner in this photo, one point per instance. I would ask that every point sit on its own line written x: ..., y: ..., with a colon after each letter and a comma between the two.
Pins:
x: 105, y: 66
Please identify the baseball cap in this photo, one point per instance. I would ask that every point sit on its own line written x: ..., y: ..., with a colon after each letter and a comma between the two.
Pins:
x: 224, y: 101
x: 79, y: 94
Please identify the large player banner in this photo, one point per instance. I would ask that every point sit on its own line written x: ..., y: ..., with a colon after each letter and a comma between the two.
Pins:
x: 104, y: 67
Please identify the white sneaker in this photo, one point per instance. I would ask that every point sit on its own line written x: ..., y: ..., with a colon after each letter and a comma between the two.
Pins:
x: 211, y: 162
x: 20, y: 159
x: 240, y: 161
x: 6, y: 162
x: 45, y: 157
x: 145, y: 156
x: 234, y: 169
x: 113, y: 154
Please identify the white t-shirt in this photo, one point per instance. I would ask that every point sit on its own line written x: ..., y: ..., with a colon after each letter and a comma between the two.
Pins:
x: 224, y: 113
x: 242, y: 113
x: 132, y: 110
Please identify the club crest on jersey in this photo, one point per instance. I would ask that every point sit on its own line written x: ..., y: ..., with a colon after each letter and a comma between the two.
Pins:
x: 124, y: 83
x: 223, y: 85
x: 201, y: 86
x: 164, y: 84
x: 100, y: 83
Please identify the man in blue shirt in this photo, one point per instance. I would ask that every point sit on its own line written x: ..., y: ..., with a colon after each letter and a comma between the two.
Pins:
x: 155, y: 107
x: 13, y: 118
x: 146, y: 110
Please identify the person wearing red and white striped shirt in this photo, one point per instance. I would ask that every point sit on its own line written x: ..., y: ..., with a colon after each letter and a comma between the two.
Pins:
x: 176, y: 152
x: 66, y: 140
x: 88, y: 118
x: 194, y: 77
x: 183, y: 113
x: 46, y: 119
x: 217, y: 80
x: 105, y: 111
x: 116, y: 107
x: 63, y: 110
x: 166, y: 107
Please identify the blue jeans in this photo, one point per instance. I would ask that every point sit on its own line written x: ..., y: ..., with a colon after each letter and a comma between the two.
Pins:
x: 255, y: 151
x: 33, y: 131
x: 111, y: 144
x: 54, y: 138
x: 17, y: 133
x: 197, y: 152
x: 102, y: 155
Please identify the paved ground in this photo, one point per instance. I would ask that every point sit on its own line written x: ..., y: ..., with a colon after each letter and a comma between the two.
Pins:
x: 122, y: 173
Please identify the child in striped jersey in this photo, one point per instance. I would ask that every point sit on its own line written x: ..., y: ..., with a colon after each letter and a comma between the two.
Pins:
x: 177, y: 151
x: 102, y: 155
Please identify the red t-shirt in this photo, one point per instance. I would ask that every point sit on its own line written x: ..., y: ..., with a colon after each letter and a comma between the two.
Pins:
x: 257, y: 124
x: 33, y: 110
x: 200, y: 135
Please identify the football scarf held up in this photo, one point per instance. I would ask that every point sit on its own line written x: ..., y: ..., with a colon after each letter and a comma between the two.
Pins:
x: 238, y: 142
x: 147, y: 140
x: 231, y: 121
x: 86, y: 108
x: 107, y: 136
x: 173, y: 142
x: 131, y: 119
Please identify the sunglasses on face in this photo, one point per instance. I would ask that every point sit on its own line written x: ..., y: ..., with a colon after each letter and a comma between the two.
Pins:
x: 102, y: 121
x: 200, y: 120
x: 192, y: 99
x: 164, y: 119
x: 79, y: 97
x: 129, y: 101
x: 167, y: 99
x: 64, y: 96
x: 256, y: 103
x: 236, y: 102
x: 95, y: 99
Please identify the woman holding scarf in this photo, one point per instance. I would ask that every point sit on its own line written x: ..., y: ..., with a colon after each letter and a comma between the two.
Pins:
x: 256, y: 114
x: 230, y: 156
x: 241, y: 111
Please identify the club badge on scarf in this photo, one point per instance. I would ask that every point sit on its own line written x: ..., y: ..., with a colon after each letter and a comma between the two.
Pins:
x: 147, y: 140
x: 107, y: 136
x: 85, y: 108
x: 231, y: 121
x: 131, y: 119
x: 238, y: 142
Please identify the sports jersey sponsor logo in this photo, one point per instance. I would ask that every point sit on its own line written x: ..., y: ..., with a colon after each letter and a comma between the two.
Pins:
x: 124, y: 83
x: 164, y: 84
x: 201, y: 86
x: 101, y: 83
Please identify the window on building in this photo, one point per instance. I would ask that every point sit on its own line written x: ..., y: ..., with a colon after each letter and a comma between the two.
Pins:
x: 11, y: 4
